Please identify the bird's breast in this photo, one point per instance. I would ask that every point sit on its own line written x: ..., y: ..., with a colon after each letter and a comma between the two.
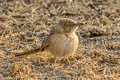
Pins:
x: 62, y: 45
x: 58, y: 42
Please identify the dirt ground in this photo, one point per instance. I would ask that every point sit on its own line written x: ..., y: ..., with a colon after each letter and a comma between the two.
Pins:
x: 25, y: 23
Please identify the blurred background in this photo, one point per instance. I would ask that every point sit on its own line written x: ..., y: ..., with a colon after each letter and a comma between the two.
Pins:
x: 24, y: 24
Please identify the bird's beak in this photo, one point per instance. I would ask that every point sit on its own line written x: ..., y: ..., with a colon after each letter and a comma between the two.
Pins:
x: 80, y: 24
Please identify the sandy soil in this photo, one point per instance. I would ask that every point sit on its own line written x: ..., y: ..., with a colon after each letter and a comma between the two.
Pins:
x: 25, y: 23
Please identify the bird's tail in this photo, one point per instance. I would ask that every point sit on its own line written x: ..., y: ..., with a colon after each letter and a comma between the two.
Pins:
x: 29, y: 52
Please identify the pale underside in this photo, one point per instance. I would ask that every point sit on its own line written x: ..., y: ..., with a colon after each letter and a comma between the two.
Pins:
x: 62, y: 45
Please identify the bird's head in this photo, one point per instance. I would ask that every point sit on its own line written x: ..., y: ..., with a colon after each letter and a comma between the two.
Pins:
x: 67, y: 25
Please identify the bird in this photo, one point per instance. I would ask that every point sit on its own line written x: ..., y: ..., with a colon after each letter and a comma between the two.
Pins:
x: 62, y: 41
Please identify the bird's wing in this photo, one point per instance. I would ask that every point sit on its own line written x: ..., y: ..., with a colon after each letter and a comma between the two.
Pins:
x: 46, y: 42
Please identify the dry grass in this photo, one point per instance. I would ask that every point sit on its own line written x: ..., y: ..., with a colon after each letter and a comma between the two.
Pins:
x: 25, y: 23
